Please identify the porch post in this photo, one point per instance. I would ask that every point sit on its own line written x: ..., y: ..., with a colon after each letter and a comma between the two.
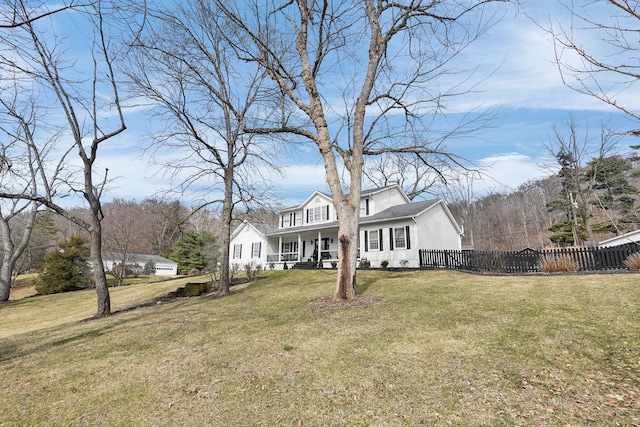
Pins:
x: 299, y: 248
x: 319, y: 245
x: 279, y: 248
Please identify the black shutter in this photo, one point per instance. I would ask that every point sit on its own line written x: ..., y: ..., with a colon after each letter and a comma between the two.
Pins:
x: 281, y: 221
x: 406, y: 230
x: 307, y: 216
x: 380, y: 235
x: 259, y: 249
x: 391, y: 238
x: 366, y: 241
x: 328, y: 212
x: 366, y: 204
x: 240, y: 251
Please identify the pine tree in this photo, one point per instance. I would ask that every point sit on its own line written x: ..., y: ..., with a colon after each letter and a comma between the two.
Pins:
x: 189, y: 251
x: 66, y: 268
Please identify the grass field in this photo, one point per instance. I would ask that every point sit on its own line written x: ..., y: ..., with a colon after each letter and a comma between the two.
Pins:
x: 436, y: 348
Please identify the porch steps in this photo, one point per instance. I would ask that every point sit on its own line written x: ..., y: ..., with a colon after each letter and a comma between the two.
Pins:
x: 303, y: 265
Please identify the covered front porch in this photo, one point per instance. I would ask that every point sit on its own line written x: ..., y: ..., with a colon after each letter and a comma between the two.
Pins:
x: 307, y: 246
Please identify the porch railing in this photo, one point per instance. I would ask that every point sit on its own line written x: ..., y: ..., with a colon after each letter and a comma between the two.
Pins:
x: 290, y: 256
x: 293, y: 256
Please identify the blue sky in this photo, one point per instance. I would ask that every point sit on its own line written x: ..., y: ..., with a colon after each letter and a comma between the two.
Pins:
x: 520, y: 81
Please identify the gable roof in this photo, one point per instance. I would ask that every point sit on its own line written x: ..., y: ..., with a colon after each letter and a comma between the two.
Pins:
x: 307, y: 200
x: 410, y: 210
x: 140, y: 259
x: 260, y: 227
x: 373, y: 191
x: 630, y: 237
x: 363, y: 193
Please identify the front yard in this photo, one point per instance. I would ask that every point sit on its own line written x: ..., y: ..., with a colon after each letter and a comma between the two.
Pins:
x: 434, y: 348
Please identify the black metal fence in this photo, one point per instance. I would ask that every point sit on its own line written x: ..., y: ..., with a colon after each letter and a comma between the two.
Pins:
x: 528, y: 260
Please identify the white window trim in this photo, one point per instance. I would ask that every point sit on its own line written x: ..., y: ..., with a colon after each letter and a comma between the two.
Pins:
x: 255, y: 250
x: 237, y: 251
x: 376, y: 240
x: 395, y: 238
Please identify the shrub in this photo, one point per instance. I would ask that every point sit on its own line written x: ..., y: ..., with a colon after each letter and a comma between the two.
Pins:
x: 365, y: 263
x: 66, y: 268
x: 285, y: 266
x: 252, y: 270
x: 334, y: 264
x: 320, y: 265
x: 384, y: 263
x: 235, y: 269
x: 633, y: 261
x: 149, y: 268
x: 404, y: 263
x: 555, y: 264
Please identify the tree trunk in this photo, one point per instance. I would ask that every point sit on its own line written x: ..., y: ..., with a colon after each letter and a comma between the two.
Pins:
x: 5, y: 279
x: 347, y: 254
x: 11, y: 252
x: 7, y: 267
x: 102, y: 290
x: 225, y: 239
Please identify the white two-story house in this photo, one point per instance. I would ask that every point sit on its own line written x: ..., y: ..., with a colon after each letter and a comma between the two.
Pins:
x: 392, y: 228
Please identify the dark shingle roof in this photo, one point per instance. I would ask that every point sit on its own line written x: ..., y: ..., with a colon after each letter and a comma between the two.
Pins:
x: 264, y: 228
x: 399, y: 211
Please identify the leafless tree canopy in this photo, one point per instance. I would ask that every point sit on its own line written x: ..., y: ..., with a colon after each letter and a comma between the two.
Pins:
x: 357, y: 78
x: 77, y: 103
x: 205, y: 96
x: 597, y: 53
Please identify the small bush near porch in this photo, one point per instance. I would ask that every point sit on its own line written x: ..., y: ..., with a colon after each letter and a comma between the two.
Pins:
x: 435, y: 348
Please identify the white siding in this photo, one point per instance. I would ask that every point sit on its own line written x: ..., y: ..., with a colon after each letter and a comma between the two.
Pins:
x: 386, y: 198
x: 389, y: 252
x: 319, y: 209
x: 245, y: 237
x: 436, y: 231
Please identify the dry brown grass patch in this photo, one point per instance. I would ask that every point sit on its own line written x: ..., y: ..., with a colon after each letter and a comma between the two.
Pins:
x: 329, y: 303
x: 557, y: 264
x: 633, y: 261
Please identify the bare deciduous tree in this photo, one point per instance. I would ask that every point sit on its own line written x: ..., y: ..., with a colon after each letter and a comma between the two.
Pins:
x: 606, y: 68
x: 573, y: 151
x: 121, y: 230
x: 84, y: 109
x: 205, y: 98
x: 356, y: 79
x: 19, y: 174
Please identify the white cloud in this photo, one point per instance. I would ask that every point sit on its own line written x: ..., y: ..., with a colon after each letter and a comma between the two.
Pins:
x: 507, y: 171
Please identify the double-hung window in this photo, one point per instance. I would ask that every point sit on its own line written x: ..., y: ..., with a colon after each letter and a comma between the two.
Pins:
x: 399, y: 238
x: 374, y: 240
x: 255, y: 250
x: 237, y: 251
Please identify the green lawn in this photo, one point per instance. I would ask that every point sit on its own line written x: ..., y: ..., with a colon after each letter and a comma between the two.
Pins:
x: 437, y: 348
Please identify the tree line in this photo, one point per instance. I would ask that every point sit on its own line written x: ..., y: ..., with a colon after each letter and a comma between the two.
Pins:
x: 231, y: 84
x: 588, y: 200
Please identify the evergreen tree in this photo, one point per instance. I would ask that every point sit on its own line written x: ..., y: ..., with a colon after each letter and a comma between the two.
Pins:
x: 66, y: 268
x: 614, y: 193
x: 190, y: 250
x: 42, y: 240
x: 149, y: 268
